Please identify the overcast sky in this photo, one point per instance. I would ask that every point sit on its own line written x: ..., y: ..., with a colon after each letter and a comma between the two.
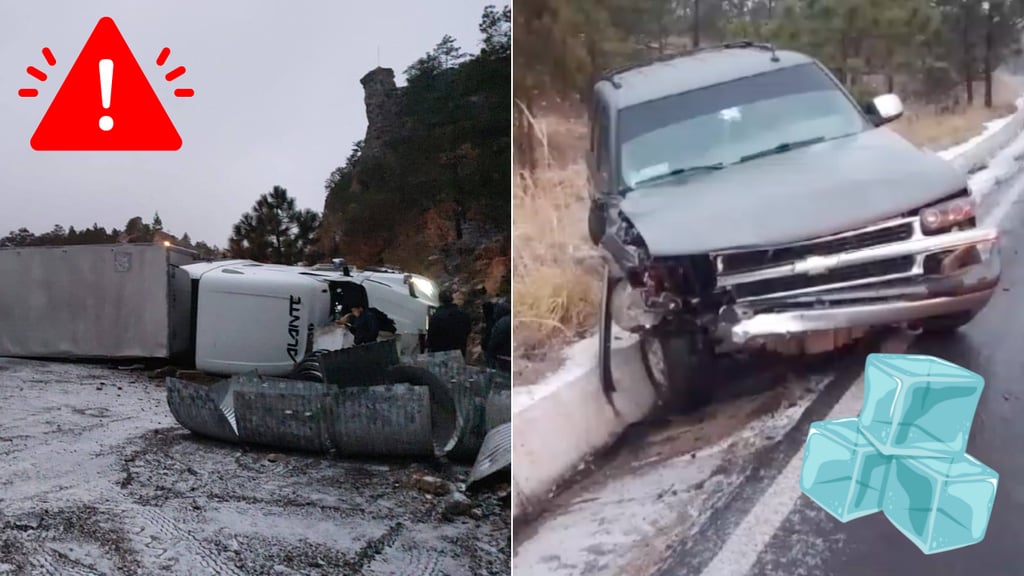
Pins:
x: 278, y: 101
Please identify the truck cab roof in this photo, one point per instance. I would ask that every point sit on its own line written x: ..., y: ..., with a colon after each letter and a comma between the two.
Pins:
x: 692, y: 71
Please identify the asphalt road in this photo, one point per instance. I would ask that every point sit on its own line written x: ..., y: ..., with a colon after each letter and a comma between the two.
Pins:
x: 771, y: 529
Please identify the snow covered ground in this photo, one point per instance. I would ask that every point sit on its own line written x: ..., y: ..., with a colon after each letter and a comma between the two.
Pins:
x: 98, y: 478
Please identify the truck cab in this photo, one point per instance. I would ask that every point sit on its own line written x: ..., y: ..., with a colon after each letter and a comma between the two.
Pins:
x: 265, y: 317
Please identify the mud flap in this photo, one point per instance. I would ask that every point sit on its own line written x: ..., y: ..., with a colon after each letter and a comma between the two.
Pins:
x: 605, y: 341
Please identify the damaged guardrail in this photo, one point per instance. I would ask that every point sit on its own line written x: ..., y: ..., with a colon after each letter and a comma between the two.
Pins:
x: 369, y: 404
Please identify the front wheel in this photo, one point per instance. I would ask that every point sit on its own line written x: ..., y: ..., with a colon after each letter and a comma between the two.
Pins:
x: 672, y: 362
x: 947, y: 324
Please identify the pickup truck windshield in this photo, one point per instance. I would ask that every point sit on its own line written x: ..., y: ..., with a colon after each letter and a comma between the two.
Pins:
x: 730, y: 122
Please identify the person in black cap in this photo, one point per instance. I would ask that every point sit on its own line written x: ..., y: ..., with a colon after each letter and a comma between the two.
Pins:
x: 449, y: 326
x: 363, y: 325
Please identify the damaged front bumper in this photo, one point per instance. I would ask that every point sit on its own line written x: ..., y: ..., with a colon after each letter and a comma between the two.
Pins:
x: 901, y: 282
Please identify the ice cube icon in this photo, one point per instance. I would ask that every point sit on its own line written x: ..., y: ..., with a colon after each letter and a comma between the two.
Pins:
x: 940, y: 504
x: 842, y: 471
x: 905, y: 454
x: 916, y: 405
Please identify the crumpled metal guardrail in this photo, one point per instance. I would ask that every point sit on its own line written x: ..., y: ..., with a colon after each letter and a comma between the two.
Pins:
x: 368, y: 404
x: 495, y: 454
x: 483, y: 398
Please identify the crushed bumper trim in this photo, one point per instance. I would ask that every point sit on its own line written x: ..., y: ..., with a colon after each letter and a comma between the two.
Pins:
x: 968, y: 289
x: 800, y: 321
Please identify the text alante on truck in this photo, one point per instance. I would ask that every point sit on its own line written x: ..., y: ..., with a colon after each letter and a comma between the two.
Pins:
x: 741, y: 196
x: 294, y: 329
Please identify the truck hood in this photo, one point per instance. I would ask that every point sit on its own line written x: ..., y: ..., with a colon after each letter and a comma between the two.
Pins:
x: 809, y: 192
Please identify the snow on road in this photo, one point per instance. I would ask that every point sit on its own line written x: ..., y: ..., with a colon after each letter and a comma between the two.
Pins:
x: 97, y: 478
x: 658, y: 486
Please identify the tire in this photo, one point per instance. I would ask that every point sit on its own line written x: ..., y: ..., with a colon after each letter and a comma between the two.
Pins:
x: 672, y: 362
x: 947, y: 324
x: 309, y: 369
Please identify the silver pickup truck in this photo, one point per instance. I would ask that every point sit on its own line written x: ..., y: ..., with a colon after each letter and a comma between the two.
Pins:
x: 740, y: 195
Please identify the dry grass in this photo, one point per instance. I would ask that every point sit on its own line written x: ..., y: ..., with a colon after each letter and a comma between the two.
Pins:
x: 938, y: 131
x: 556, y: 298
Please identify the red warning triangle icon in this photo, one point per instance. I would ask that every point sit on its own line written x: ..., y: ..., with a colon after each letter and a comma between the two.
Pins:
x: 130, y: 117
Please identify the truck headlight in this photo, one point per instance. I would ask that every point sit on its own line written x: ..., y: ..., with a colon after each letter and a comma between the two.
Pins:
x: 424, y: 287
x: 941, y: 217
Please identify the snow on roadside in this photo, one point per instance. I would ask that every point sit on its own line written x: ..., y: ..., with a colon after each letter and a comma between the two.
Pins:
x: 1004, y: 165
x: 991, y: 127
x: 1001, y: 167
x: 578, y: 358
x: 657, y: 493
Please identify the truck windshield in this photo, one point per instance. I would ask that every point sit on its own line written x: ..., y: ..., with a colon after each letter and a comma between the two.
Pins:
x: 733, y: 121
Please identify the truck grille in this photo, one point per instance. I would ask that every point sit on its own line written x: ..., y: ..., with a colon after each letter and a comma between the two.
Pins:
x: 755, y: 259
x: 869, y: 270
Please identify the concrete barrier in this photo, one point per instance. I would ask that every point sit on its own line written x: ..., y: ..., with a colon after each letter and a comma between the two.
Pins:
x: 562, y: 421
x: 570, y: 420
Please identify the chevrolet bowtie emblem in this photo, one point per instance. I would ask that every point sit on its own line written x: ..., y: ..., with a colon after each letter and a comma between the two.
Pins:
x: 815, y: 265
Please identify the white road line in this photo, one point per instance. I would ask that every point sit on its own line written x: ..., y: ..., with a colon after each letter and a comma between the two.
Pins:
x: 745, y: 544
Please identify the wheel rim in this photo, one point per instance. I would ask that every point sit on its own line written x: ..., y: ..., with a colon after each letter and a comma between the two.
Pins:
x: 656, y: 361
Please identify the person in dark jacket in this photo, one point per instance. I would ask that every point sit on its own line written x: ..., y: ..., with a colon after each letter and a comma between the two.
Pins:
x: 362, y: 324
x: 449, y: 326
x: 499, y: 349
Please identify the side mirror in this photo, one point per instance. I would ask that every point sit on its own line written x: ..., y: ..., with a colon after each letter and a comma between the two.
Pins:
x: 885, y: 109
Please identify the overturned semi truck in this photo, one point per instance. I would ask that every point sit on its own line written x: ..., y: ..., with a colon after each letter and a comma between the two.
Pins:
x: 256, y: 323
x: 142, y: 301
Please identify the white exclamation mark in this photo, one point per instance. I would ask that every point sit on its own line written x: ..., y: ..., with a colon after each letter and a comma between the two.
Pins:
x: 106, y: 80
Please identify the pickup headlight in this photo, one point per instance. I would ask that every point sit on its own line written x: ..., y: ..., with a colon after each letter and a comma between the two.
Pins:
x: 943, y: 216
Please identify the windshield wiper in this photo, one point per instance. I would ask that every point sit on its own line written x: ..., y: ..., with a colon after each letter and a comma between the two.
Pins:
x: 678, y: 171
x: 784, y: 147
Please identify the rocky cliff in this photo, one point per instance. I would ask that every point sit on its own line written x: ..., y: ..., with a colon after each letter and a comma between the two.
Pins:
x: 427, y: 189
x: 383, y: 102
